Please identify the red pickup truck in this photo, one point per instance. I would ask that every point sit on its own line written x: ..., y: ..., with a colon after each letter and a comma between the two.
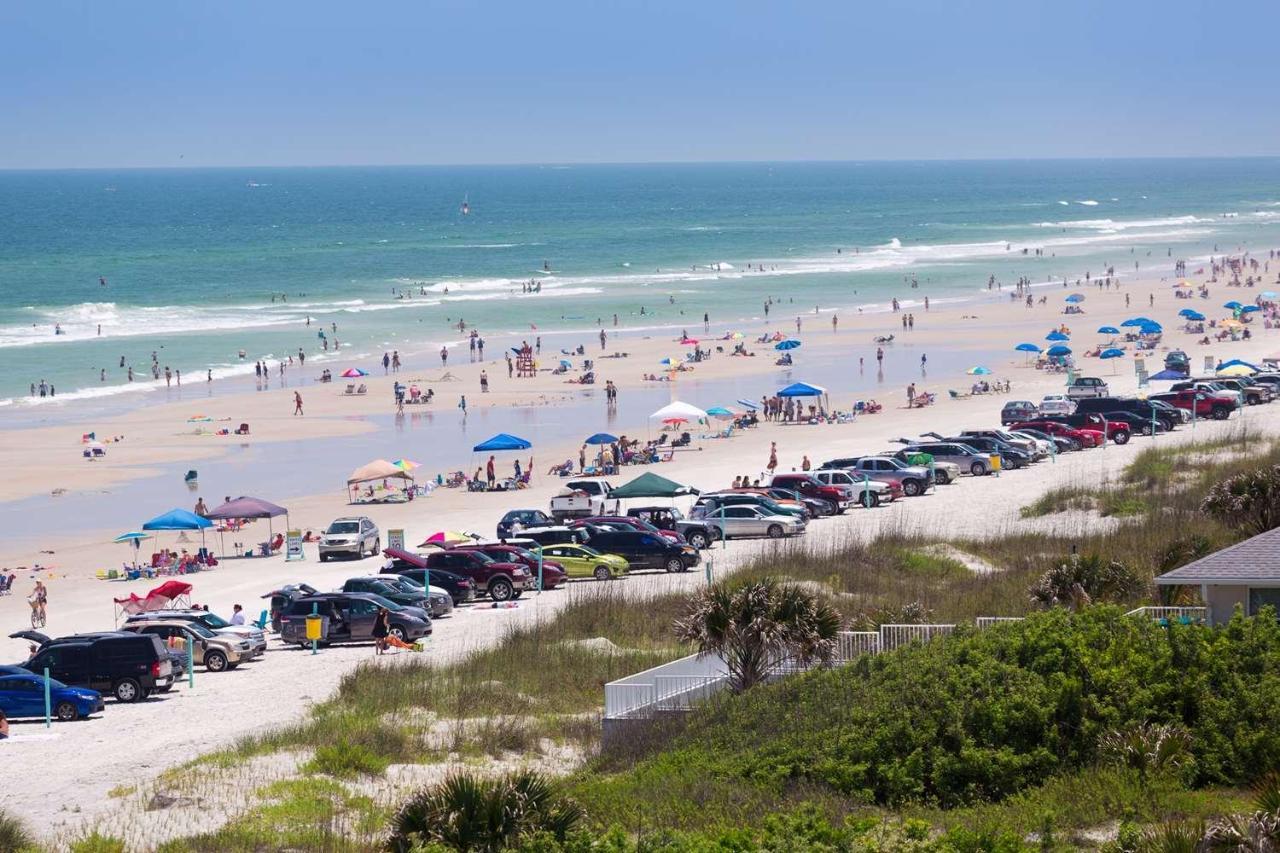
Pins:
x: 1202, y: 403
x: 501, y: 580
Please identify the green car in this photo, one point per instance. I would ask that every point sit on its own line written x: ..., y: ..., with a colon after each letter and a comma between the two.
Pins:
x: 581, y: 561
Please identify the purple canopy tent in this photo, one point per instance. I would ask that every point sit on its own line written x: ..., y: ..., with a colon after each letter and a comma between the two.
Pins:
x: 246, y: 507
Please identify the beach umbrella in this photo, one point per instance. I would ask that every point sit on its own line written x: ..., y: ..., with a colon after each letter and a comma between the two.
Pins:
x: 447, y: 537
x: 1239, y: 362
x: 1076, y: 298
x: 1191, y: 314
x: 1235, y: 370
x: 1150, y: 328
x: 786, y: 345
x: 1055, y: 335
x: 601, y: 438
x: 1027, y: 348
x: 502, y: 441
x: 134, y: 538
x: 1112, y: 353
x: 1108, y: 330
x: 566, y: 364
x: 978, y: 371
x: 750, y: 405
x: 354, y: 373
x: 668, y: 361
x: 1249, y: 309
x: 1233, y: 305
x: 1268, y: 294
x: 680, y: 410
x: 719, y: 412
x: 1059, y: 349
x: 406, y: 464
x: 737, y: 336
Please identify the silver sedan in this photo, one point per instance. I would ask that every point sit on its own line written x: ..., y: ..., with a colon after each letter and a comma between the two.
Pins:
x: 735, y: 521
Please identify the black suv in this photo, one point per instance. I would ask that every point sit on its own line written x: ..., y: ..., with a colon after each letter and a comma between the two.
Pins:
x: 1142, y: 408
x: 644, y: 550
x: 386, y: 589
x: 460, y: 589
x: 526, y: 518
x: 351, y: 616
x: 128, y: 666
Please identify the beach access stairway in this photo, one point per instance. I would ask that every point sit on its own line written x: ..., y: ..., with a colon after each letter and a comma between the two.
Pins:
x: 675, y: 687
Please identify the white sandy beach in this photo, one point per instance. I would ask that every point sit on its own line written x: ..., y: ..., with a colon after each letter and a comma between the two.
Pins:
x: 129, y: 745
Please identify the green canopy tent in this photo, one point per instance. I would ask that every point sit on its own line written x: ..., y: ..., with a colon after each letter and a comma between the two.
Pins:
x: 651, y: 485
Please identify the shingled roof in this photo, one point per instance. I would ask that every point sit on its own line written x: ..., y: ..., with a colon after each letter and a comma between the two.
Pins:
x: 1249, y: 562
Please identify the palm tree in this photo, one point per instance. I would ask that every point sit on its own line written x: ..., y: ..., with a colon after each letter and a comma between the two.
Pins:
x: 469, y: 813
x: 756, y: 626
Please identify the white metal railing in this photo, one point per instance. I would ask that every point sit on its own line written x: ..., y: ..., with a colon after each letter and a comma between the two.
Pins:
x: 627, y: 700
x: 851, y: 644
x: 1172, y: 614
x: 679, y: 692
x: 895, y: 636
x: 990, y: 621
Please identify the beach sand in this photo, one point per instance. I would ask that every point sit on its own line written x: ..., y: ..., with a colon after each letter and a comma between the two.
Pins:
x: 131, y: 744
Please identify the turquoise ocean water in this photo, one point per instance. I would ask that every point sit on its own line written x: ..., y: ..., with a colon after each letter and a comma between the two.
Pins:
x: 191, y: 259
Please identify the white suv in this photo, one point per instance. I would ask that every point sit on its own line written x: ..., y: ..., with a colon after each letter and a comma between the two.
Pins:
x: 1087, y: 386
x: 352, y: 536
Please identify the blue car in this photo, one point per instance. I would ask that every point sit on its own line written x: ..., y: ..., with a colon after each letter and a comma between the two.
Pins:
x: 23, y: 696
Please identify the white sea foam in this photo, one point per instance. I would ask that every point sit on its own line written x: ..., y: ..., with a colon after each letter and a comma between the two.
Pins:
x: 1125, y: 224
x: 1088, y: 203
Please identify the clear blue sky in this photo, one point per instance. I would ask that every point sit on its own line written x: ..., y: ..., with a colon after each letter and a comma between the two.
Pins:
x: 306, y: 83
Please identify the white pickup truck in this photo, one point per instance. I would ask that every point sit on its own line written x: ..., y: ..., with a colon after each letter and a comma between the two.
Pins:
x: 581, y: 499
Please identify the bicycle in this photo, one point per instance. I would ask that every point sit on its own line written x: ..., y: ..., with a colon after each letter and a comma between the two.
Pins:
x: 37, y: 615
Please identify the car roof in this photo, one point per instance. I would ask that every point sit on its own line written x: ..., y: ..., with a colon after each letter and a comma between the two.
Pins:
x: 352, y: 518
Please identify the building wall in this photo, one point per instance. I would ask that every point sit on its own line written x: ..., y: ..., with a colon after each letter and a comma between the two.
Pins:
x: 1222, y: 601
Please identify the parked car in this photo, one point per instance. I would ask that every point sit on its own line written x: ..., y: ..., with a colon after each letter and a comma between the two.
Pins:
x: 1004, y: 435
x: 1058, y: 443
x: 1010, y: 457
x: 583, y: 561
x: 694, y: 531
x: 22, y: 695
x: 1018, y: 410
x: 1112, y: 430
x: 1057, y: 404
x: 1079, y: 436
x: 944, y: 472
x: 126, y: 665
x: 411, y: 566
x: 255, y: 636
x: 1209, y: 387
x: 280, y: 598
x: 501, y: 580
x: 1142, y: 410
x: 553, y: 574
x: 215, y: 652
x: 555, y: 534
x: 351, y: 616
x: 1087, y: 386
x: 352, y: 536
x: 1203, y: 404
x: 734, y: 522
x: 580, y: 498
x: 817, y: 507
x: 1177, y: 360
x: 518, y: 520
x: 793, y: 503
x: 644, y: 550
x: 709, y: 503
x: 404, y: 591
x: 807, y: 484
x: 967, y: 459
x: 628, y: 521
x: 1254, y: 393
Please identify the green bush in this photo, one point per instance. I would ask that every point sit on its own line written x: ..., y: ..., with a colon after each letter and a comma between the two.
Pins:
x: 977, y: 716
x: 13, y: 833
x: 1249, y: 501
x: 346, y: 759
x: 97, y: 843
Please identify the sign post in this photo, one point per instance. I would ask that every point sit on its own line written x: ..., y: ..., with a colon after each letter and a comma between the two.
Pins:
x: 48, y: 701
x: 395, y: 538
x: 293, y: 546
x: 191, y: 663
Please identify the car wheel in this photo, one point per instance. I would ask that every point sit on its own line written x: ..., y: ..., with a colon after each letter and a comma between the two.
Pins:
x: 675, y: 564
x: 941, y: 478
x: 869, y: 500
x: 66, y: 712
x: 324, y: 558
x: 128, y: 690
x: 1145, y: 429
x: 215, y: 661
x: 911, y: 488
x: 397, y: 632
x: 602, y: 573
x: 501, y: 590
x: 698, y: 539
x: 1074, y: 446
x: 1121, y: 437
x: 977, y: 469
x: 1221, y: 413
x: 775, y: 531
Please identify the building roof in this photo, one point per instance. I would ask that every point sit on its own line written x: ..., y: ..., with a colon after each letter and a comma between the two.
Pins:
x: 1252, y: 561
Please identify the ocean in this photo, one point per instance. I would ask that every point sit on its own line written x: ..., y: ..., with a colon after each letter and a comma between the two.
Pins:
x: 196, y: 266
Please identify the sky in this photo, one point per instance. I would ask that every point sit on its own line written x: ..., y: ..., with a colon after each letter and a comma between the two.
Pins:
x: 231, y: 83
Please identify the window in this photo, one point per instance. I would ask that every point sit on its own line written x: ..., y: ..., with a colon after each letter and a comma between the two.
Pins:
x: 1264, y: 597
x: 23, y: 685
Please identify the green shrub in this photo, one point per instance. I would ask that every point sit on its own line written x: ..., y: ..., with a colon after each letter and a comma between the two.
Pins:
x: 13, y: 833
x: 1249, y: 501
x: 1082, y: 580
x: 97, y: 843
x: 974, y: 717
x: 346, y: 759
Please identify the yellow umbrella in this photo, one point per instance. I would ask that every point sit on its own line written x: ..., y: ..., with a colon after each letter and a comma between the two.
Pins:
x: 1235, y: 370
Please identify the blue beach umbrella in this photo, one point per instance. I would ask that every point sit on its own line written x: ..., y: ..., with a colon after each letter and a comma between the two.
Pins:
x: 1249, y: 309
x: 1059, y: 349
x: 750, y: 405
x: 719, y: 412
x: 1150, y: 328
x: 1108, y: 330
x: 1238, y: 362
x: 1076, y: 297
x: 1027, y: 348
x: 1055, y: 335
x: 978, y: 371
x: 1137, y: 321
x: 1268, y: 294
x: 786, y: 345
x: 1112, y: 353
x: 601, y: 438
x: 1233, y: 305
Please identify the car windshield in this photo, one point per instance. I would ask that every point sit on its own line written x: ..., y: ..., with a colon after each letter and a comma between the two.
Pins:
x: 384, y: 602
x: 587, y: 549
x: 344, y: 527
x: 199, y: 630
x: 214, y: 621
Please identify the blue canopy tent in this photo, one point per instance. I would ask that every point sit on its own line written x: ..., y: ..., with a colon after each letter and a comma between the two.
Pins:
x: 1171, y: 375
x: 502, y: 441
x: 804, y: 389
x: 179, y: 519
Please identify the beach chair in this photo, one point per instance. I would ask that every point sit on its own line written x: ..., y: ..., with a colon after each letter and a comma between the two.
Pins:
x: 100, y: 575
x: 350, y: 390
x: 361, y: 390
x: 262, y: 622
x: 243, y: 429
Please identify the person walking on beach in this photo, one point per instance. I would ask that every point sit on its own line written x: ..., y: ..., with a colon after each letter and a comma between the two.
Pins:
x: 462, y: 404
x: 880, y: 356
x: 386, y: 364
x: 924, y: 360
x: 381, y: 629
x: 773, y: 458
x: 201, y: 510
x: 835, y: 322
x: 911, y: 394
x: 297, y: 403
x: 484, y: 382
x: 444, y: 356
x: 489, y: 473
x: 603, y: 338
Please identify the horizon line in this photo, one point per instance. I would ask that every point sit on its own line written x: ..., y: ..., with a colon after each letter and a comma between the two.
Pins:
x: 605, y: 163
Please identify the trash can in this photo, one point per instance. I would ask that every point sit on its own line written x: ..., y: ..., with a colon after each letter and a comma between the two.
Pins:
x: 317, y: 627
x: 995, y: 462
